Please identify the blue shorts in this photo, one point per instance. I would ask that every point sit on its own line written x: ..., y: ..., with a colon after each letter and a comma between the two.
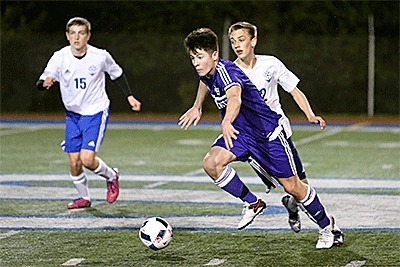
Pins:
x: 275, y: 156
x: 84, y: 131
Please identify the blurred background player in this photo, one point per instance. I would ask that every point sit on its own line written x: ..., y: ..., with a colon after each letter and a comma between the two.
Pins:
x: 80, y: 70
x: 266, y: 72
x: 249, y: 128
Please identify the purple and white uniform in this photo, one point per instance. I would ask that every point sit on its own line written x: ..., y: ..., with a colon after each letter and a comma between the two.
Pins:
x: 260, y: 134
x: 266, y: 74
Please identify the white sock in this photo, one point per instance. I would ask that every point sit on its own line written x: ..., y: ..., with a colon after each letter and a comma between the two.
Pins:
x: 81, y: 185
x: 104, y: 171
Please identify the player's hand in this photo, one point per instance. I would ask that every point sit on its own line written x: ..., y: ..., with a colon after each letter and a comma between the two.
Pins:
x: 318, y: 120
x: 228, y: 132
x: 135, y: 104
x: 192, y: 116
x: 49, y: 82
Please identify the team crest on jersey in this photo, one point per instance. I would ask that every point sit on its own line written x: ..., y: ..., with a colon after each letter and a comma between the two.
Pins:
x: 216, y: 90
x: 92, y: 70
x: 220, y: 99
x: 268, y: 76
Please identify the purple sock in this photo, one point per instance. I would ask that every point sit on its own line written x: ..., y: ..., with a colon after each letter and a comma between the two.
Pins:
x: 230, y: 182
x: 315, y: 209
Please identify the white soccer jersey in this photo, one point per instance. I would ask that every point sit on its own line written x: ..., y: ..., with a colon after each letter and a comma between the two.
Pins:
x: 267, y: 73
x: 82, y: 81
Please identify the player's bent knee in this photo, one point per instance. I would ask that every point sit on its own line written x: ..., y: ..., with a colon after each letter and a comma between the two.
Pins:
x: 293, y: 186
x: 75, y: 167
x: 209, y: 165
x: 89, y: 162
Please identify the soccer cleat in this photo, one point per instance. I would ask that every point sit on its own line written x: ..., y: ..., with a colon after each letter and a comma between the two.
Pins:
x: 113, y: 188
x: 250, y: 212
x: 325, y: 239
x: 294, y: 217
x: 338, y: 236
x: 79, y: 203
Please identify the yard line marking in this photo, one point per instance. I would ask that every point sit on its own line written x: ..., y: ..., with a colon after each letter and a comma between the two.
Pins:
x: 18, y: 131
x: 8, y: 234
x: 355, y: 264
x: 195, y: 172
x: 153, y: 185
x: 215, y: 262
x: 334, y: 131
x: 10, y: 181
x: 73, y: 262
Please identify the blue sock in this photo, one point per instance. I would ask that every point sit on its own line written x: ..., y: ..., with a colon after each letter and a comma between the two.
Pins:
x: 230, y: 182
x: 315, y: 209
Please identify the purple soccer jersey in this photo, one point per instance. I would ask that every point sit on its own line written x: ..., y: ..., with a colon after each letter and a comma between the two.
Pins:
x: 260, y: 134
x: 255, y: 117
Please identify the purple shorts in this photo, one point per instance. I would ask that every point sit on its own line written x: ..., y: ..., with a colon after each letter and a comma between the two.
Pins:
x: 274, y: 156
x: 84, y: 131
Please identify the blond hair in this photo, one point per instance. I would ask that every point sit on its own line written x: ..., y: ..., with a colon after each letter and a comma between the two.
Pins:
x: 251, y: 29
x: 79, y: 21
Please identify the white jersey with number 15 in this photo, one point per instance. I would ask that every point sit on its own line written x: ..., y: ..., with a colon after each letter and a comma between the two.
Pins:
x: 82, y: 81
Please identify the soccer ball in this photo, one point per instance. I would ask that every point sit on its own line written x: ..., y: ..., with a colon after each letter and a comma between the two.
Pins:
x: 155, y: 233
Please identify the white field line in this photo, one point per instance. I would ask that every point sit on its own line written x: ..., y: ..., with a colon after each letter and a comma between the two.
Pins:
x: 8, y: 234
x: 169, y: 125
x: 328, y: 133
x: 156, y: 184
x: 195, y: 172
x: 350, y: 210
x: 325, y: 183
x: 73, y: 262
x: 355, y: 264
x: 215, y: 262
x: 19, y: 130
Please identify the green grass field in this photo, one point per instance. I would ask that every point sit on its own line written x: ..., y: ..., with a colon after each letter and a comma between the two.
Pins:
x: 342, y: 153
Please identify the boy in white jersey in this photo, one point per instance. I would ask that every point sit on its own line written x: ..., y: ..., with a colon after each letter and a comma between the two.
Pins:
x: 266, y: 72
x: 80, y: 70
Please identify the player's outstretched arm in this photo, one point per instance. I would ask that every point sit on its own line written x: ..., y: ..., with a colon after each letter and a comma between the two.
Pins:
x: 193, y: 115
x: 302, y: 101
x: 123, y: 84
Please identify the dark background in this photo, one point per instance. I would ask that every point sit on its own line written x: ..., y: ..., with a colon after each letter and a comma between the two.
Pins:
x: 325, y: 43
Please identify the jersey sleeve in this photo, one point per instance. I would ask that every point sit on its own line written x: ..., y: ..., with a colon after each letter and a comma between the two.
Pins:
x: 286, y: 78
x: 112, y: 68
x: 229, y: 77
x: 52, y: 69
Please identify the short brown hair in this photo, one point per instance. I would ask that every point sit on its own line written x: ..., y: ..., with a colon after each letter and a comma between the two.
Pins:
x: 203, y: 38
x: 252, y: 29
x: 79, y: 21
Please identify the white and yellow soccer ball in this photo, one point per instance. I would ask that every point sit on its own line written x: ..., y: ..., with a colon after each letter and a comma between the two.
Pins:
x: 155, y: 233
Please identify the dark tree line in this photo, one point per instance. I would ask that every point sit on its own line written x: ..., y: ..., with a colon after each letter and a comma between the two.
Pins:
x: 307, y: 17
x: 325, y: 43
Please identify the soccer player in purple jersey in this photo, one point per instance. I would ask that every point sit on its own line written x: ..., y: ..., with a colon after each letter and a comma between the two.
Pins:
x: 266, y: 72
x: 80, y: 70
x: 249, y: 129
